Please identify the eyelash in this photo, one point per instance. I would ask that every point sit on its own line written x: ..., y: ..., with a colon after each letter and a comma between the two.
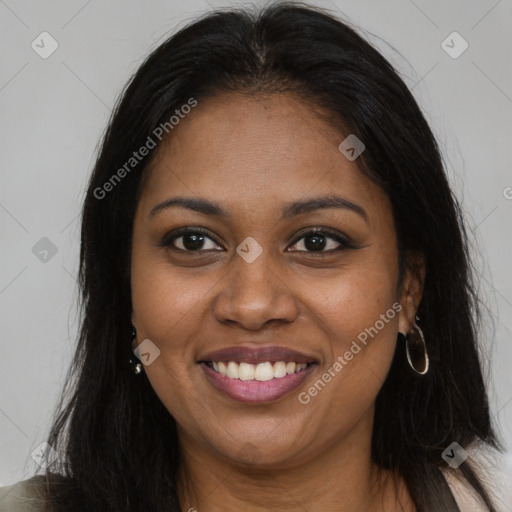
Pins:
x: 343, y: 240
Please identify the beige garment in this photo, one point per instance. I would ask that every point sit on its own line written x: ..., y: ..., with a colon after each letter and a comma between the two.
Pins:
x: 25, y: 496
x: 465, y: 497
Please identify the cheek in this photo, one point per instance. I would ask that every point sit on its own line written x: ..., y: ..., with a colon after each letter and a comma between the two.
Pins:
x: 353, y: 299
x: 164, y: 296
x: 358, y: 312
x: 361, y: 348
x: 166, y: 307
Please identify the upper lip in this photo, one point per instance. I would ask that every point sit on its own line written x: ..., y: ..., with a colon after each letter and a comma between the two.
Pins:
x: 255, y: 355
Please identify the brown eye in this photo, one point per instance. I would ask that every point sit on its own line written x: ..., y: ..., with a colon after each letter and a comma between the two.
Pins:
x: 189, y: 240
x: 321, y: 240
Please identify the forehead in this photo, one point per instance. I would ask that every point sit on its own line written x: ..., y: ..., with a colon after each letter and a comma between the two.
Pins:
x: 246, y: 151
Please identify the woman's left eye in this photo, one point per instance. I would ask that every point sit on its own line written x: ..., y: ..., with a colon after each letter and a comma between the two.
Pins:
x: 321, y: 240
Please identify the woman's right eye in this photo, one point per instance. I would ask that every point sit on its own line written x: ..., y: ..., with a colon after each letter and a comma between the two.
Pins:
x: 190, y: 240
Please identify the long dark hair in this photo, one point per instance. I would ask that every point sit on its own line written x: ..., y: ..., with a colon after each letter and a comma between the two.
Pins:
x: 118, y: 443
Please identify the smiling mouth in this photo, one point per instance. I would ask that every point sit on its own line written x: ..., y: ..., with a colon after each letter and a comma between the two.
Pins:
x: 261, y: 383
x: 262, y: 372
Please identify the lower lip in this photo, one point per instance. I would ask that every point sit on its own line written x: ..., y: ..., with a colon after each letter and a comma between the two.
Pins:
x: 255, y: 391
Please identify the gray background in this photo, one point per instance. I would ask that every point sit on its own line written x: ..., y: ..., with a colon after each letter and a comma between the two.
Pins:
x: 53, y: 112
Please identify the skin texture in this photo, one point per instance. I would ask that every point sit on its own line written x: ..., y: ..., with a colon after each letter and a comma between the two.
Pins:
x: 252, y: 154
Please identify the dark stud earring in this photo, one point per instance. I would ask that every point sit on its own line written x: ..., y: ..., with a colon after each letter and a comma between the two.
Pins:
x: 134, y: 362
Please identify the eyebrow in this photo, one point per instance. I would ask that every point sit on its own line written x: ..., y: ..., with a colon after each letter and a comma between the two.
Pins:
x: 295, y: 208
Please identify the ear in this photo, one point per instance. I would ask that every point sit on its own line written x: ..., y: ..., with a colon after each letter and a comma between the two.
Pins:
x: 412, y: 291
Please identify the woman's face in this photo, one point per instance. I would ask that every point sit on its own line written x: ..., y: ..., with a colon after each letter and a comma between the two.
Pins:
x: 261, y: 287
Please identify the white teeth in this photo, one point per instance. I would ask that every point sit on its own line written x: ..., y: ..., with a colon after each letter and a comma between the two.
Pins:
x: 232, y: 372
x: 261, y: 372
x: 264, y: 371
x: 290, y: 368
x: 279, y: 369
x: 246, y: 371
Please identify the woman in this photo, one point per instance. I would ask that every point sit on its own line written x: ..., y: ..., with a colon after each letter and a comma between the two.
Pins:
x: 278, y: 310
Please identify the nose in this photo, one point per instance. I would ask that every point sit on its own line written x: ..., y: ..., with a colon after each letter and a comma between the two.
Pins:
x: 253, y: 294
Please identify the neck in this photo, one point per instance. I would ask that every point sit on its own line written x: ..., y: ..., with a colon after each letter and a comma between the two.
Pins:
x: 341, y: 478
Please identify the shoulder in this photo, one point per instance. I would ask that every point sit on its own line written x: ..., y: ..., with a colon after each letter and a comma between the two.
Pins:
x: 24, y: 496
x: 465, y: 496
